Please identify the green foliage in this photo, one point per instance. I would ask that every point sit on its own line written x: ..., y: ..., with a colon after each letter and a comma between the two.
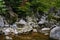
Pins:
x: 3, y: 8
x: 30, y: 5
x: 49, y: 17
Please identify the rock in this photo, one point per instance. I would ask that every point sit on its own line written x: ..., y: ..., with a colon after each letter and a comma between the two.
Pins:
x: 14, y: 26
x: 15, y: 32
x: 6, y: 25
x: 32, y: 24
x: 8, y: 31
x: 8, y: 38
x: 45, y: 31
x: 34, y: 30
x: 22, y: 21
x: 55, y: 17
x: 26, y: 28
x: 29, y: 19
x: 55, y: 33
x: 58, y: 12
x: 1, y: 21
x: 42, y: 20
x: 19, y: 30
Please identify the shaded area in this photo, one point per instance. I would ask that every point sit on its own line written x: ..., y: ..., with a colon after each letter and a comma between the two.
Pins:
x: 31, y: 36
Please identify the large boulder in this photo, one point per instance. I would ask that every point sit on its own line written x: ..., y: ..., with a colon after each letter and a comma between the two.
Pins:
x: 55, y: 33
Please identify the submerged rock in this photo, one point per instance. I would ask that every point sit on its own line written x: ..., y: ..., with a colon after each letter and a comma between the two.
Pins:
x: 8, y: 38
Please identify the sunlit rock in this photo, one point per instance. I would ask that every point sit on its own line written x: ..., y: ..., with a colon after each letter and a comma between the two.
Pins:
x: 22, y: 21
x: 8, y: 38
x: 8, y: 31
x: 26, y: 28
x: 23, y: 26
x: 34, y: 30
x: 19, y: 30
x: 42, y: 21
x: 15, y: 31
x: 20, y: 24
x: 6, y: 25
x: 45, y: 31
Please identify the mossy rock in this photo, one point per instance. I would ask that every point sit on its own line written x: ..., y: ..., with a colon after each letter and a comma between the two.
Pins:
x: 51, y: 16
x: 12, y: 20
x: 57, y: 18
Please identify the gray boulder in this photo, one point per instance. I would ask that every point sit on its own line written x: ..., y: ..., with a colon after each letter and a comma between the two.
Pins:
x: 55, y: 33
